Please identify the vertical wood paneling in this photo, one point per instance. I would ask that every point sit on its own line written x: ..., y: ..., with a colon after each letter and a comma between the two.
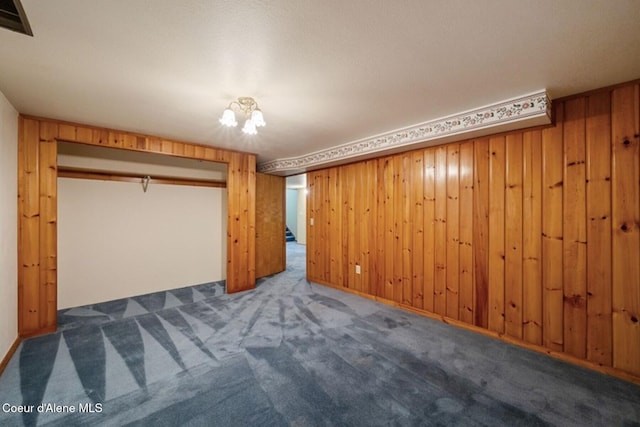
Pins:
x: 335, y: 231
x: 325, y: 237
x: 368, y: 248
x: 575, y: 230
x: 359, y: 198
x: 381, y: 229
x: 389, y: 225
x: 533, y: 234
x: 407, y: 226
x: 513, y: 237
x: 568, y: 203
x: 453, y: 230
x: 398, y: 215
x: 496, y: 233
x: 598, y: 175
x: 466, y: 292
x: 241, y: 256
x: 67, y: 132
x: 352, y: 232
x: 37, y: 209
x: 440, y: 232
x: 625, y: 115
x: 167, y: 147
x: 116, y: 140
x: 313, y: 238
x: 417, y: 214
x: 346, y: 264
x: 429, y: 198
x: 234, y: 216
x: 532, y: 237
x: 349, y: 231
x: 481, y: 233
x: 48, y: 225
x: 552, y: 184
x: 249, y: 186
x: 29, y: 227
x: 131, y: 142
x: 100, y: 137
x: 321, y: 230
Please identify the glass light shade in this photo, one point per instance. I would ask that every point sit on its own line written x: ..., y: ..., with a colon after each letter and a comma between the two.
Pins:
x: 249, y: 127
x: 228, y: 118
x: 257, y: 118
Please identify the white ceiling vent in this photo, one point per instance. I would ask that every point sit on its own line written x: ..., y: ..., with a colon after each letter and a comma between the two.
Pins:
x: 12, y: 17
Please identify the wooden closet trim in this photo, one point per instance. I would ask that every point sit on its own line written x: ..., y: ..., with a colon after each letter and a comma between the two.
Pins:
x: 37, y: 208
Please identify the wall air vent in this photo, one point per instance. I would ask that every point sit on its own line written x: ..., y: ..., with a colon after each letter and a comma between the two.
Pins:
x: 12, y: 17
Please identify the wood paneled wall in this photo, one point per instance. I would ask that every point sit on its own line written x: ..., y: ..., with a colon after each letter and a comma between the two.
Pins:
x: 532, y: 235
x: 37, y: 209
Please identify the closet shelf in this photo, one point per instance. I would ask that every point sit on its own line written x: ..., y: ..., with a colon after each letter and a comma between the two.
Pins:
x: 82, y: 173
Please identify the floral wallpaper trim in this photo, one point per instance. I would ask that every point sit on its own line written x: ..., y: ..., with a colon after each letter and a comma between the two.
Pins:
x: 530, y: 106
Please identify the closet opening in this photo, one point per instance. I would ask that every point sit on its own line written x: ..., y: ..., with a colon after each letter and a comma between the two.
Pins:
x: 133, y: 223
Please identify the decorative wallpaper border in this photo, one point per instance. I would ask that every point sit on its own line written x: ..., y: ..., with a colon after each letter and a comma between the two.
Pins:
x: 528, y: 109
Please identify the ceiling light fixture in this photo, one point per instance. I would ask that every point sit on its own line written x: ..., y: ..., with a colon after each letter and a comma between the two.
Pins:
x: 249, y: 107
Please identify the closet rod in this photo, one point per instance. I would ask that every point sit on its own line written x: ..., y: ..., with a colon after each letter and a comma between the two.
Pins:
x: 70, y: 172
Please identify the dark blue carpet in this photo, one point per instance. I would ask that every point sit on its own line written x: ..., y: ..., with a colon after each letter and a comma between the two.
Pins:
x: 292, y: 353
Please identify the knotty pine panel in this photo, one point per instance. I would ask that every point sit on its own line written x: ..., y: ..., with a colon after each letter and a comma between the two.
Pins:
x: 625, y: 140
x: 440, y: 234
x: 481, y: 233
x: 398, y: 218
x: 336, y: 235
x: 496, y: 232
x: 429, y: 191
x: 466, y: 289
x: 314, y: 242
x: 531, y: 235
x: 369, y: 243
x: 599, y: 275
x: 513, y: 237
x: 378, y: 288
x: 417, y: 239
x: 552, y: 272
x: 48, y: 225
x: 29, y: 316
x: 241, y: 222
x: 325, y: 237
x: 575, y: 230
x: 37, y: 209
x: 406, y: 230
x: 453, y: 231
x: 351, y: 233
x: 389, y: 227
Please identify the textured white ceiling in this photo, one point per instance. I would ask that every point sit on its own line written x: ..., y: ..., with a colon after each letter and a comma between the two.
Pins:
x: 324, y: 72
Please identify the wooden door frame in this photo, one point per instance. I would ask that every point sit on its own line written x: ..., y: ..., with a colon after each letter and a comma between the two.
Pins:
x: 37, y: 208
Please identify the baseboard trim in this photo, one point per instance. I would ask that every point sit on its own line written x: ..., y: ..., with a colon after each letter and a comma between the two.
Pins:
x: 39, y: 332
x: 607, y: 370
x: 9, y: 355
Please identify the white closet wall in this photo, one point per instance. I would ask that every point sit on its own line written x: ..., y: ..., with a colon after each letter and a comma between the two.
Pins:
x: 116, y: 241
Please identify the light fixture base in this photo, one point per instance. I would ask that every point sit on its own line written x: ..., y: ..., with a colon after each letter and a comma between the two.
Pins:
x: 247, y: 103
x: 252, y: 112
